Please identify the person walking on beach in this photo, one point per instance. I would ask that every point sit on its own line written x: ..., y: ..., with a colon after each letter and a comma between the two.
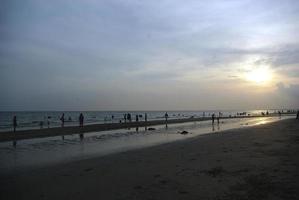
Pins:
x: 62, y: 120
x: 213, y: 118
x: 14, y: 122
x: 81, y: 120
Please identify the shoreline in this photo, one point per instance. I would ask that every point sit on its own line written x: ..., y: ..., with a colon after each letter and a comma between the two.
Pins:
x: 69, y: 130
x: 258, y: 162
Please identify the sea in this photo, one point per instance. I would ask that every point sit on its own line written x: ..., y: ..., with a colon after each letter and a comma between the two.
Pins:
x: 35, y: 119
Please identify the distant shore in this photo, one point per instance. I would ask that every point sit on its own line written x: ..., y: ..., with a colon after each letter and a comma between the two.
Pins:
x: 68, y: 130
x: 259, y: 162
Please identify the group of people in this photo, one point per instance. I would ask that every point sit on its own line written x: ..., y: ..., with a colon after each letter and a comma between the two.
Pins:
x: 218, y: 117
x: 41, y: 123
x: 127, y: 118
x: 81, y: 120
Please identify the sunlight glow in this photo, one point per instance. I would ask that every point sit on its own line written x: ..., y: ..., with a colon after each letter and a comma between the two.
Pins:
x: 259, y: 75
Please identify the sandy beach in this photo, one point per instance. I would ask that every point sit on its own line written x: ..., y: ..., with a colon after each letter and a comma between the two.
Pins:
x: 258, y: 162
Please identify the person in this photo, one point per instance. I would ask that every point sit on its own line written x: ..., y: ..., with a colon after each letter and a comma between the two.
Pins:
x: 62, y: 120
x: 145, y: 117
x: 125, y: 118
x: 41, y: 124
x: 166, y: 116
x: 48, y: 121
x: 218, y: 119
x: 137, y: 118
x: 81, y: 120
x: 279, y: 113
x: 129, y: 117
x: 14, y: 122
x: 213, y: 118
x: 297, y: 115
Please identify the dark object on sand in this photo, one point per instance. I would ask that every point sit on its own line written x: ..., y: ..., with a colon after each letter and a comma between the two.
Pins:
x: 184, y: 132
x: 151, y: 129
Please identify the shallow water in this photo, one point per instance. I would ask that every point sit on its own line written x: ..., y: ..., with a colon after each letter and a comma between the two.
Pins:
x: 31, y: 120
x: 45, y: 151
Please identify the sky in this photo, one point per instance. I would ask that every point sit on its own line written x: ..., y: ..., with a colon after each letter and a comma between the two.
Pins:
x: 149, y: 55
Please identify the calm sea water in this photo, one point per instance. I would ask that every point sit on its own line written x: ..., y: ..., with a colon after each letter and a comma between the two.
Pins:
x: 31, y: 120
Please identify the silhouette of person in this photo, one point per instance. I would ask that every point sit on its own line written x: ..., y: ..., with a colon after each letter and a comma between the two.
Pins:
x: 41, y: 124
x: 137, y: 118
x: 48, y: 121
x: 213, y: 118
x: 62, y: 120
x: 166, y: 116
x: 81, y: 120
x: 297, y: 117
x: 279, y: 113
x: 14, y: 122
x: 129, y: 117
x: 125, y: 118
x: 145, y: 117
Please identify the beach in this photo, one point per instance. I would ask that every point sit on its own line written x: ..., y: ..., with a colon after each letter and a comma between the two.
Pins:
x: 69, y: 130
x: 258, y: 162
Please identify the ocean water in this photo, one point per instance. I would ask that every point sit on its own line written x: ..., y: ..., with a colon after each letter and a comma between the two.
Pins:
x: 31, y: 120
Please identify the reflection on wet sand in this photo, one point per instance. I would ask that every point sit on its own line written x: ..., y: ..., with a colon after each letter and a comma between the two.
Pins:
x: 47, y: 150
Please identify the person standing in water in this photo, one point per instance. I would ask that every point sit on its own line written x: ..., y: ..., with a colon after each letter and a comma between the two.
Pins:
x: 166, y: 117
x: 62, y: 120
x: 81, y: 120
x: 14, y: 122
x: 213, y: 118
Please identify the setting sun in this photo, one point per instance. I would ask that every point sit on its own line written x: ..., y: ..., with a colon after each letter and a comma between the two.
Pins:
x: 259, y: 75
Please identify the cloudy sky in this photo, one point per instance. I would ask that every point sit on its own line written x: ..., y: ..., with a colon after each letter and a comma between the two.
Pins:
x: 149, y: 55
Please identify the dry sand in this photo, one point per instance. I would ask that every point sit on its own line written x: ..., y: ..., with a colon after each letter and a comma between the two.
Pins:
x: 252, y: 163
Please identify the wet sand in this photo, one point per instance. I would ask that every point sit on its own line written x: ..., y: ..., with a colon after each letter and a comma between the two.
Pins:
x: 258, y: 162
x: 57, y: 131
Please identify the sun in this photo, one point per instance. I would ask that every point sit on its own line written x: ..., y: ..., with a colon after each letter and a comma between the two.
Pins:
x: 259, y: 75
